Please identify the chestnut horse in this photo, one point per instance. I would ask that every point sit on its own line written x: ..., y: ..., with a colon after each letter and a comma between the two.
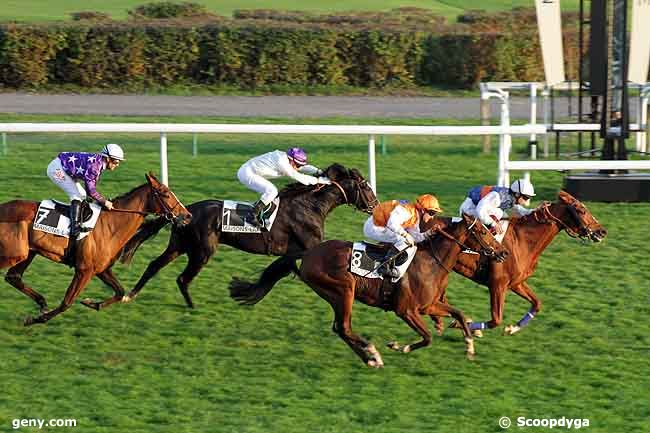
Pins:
x: 526, y: 239
x: 299, y: 225
x: 326, y: 269
x: 94, y: 255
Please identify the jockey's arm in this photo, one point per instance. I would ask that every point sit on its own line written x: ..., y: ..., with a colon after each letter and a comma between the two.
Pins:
x: 521, y: 210
x: 488, y: 207
x: 310, y: 170
x: 294, y: 174
x: 398, y: 216
x: 90, y: 181
x: 415, y: 232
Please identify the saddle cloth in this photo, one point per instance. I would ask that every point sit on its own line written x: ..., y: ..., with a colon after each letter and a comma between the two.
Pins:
x: 366, y: 258
x: 237, y: 217
x: 53, y: 217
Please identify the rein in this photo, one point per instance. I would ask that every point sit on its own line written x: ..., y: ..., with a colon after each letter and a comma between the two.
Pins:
x: 345, y: 196
x: 130, y: 211
x: 545, y: 208
x: 167, y: 212
x: 451, y: 238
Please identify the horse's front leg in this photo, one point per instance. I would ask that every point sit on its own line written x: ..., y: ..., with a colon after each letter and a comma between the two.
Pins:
x: 497, y: 301
x: 77, y: 285
x: 527, y: 293
x: 413, y: 319
x: 110, y: 280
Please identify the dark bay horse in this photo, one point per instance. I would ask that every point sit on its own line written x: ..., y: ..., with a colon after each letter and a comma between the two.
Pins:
x: 326, y: 269
x: 298, y: 225
x: 526, y: 239
x: 94, y: 255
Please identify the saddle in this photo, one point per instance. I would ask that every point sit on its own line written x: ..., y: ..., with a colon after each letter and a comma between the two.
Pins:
x: 238, y: 217
x: 53, y: 217
x: 85, y: 212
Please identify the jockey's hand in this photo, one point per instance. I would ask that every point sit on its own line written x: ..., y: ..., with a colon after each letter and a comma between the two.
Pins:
x: 324, y: 180
x: 108, y: 205
x: 409, y: 239
x: 496, y: 229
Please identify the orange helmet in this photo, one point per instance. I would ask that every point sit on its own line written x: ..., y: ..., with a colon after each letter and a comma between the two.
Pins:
x: 428, y: 202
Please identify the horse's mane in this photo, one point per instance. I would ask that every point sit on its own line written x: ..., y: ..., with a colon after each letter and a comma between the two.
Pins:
x: 335, y: 172
x: 130, y: 192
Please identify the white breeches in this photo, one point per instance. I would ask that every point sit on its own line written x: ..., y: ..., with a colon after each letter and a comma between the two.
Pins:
x: 257, y: 183
x: 383, y: 234
x: 72, y: 188
x: 470, y: 209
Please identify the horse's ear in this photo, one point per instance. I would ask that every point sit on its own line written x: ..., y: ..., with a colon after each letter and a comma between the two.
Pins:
x: 151, y: 178
x: 565, y: 196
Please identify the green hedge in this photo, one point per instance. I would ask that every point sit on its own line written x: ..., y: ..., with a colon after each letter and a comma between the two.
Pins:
x: 252, y: 53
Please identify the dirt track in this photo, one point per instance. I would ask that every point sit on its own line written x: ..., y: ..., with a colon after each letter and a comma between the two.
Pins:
x: 263, y: 106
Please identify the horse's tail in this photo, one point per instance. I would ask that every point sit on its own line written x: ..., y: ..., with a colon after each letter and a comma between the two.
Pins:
x: 247, y: 293
x: 146, y: 231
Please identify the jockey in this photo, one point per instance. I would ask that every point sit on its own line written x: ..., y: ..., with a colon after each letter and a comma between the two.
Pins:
x: 292, y: 163
x: 398, y: 222
x: 69, y: 169
x: 489, y: 203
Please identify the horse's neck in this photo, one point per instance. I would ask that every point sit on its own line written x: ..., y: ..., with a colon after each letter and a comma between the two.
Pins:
x: 134, y: 200
x: 321, y: 203
x: 533, y: 238
x: 446, y: 251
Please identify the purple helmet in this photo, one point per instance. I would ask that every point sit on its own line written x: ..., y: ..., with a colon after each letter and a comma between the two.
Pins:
x: 298, y: 155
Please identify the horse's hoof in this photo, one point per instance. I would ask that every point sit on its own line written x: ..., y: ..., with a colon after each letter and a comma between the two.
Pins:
x: 394, y: 345
x: 471, y: 356
x: 511, y: 330
x: 90, y: 304
x: 372, y: 363
x: 126, y: 299
x: 44, y: 310
x: 477, y: 333
x: 29, y: 321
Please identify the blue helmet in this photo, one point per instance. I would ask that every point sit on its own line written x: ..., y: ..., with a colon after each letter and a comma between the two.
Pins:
x: 298, y: 155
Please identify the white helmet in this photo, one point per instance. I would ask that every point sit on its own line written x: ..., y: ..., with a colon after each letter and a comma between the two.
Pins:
x: 523, y: 187
x: 113, y: 151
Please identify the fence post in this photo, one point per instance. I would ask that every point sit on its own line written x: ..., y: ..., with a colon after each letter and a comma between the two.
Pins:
x: 371, y: 163
x: 163, y: 159
x: 504, y: 142
x: 485, y: 120
x: 532, y: 142
x: 195, y: 145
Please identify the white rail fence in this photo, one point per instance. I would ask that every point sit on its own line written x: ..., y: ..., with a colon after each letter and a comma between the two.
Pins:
x: 504, y: 131
x: 371, y: 131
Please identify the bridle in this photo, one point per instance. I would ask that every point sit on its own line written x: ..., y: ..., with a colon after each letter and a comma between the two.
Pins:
x: 486, y: 250
x: 583, y: 231
x: 357, y: 193
x: 167, y: 213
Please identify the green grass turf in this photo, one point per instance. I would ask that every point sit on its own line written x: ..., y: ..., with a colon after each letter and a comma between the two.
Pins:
x: 39, y: 10
x: 156, y: 366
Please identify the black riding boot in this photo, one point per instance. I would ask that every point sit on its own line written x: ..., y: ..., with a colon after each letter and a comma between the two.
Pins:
x: 387, y: 269
x: 75, y: 208
x: 258, y: 213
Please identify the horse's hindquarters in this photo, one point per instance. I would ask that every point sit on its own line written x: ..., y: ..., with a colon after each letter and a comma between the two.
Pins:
x: 14, y: 243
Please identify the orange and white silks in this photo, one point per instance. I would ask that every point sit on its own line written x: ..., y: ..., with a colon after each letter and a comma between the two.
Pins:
x: 381, y: 213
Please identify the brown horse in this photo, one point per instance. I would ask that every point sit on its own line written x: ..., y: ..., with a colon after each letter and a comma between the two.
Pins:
x: 526, y: 239
x: 325, y: 268
x: 94, y: 255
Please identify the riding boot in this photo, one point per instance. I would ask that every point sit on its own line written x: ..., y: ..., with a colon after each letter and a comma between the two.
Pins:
x: 75, y: 207
x: 258, y: 213
x: 387, y: 269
